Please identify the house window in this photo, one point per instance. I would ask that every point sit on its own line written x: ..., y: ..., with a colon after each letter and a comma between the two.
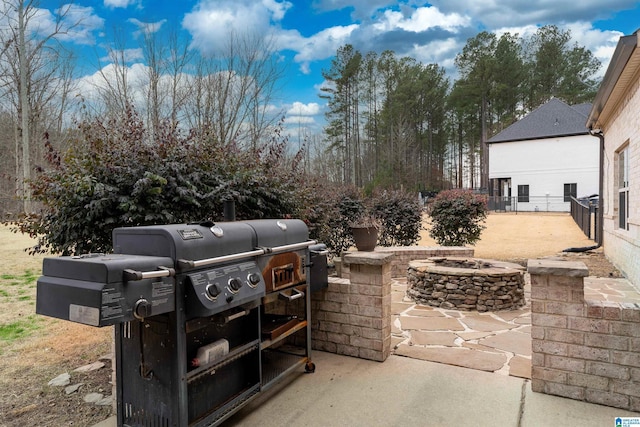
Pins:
x: 570, y: 190
x: 523, y: 193
x: 623, y: 188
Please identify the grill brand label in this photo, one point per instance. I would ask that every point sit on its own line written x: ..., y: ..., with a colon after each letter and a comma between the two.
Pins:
x: 190, y: 234
x: 84, y: 314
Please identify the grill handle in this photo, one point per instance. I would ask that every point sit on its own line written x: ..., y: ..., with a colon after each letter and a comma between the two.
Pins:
x: 133, y: 275
x: 295, y: 294
x: 235, y: 316
x: 291, y: 247
x: 187, y: 263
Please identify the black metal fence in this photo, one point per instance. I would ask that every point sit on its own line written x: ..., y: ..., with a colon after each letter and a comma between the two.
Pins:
x: 585, y: 214
x: 502, y: 204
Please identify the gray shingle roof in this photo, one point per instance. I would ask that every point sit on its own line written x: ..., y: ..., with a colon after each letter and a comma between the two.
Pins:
x: 555, y: 118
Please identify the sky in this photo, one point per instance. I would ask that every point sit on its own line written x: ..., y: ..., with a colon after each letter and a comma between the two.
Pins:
x: 308, y: 33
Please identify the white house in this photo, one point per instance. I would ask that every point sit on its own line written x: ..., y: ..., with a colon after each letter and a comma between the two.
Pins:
x: 616, y: 117
x: 540, y: 161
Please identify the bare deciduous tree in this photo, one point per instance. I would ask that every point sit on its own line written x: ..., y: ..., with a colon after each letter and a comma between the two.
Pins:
x: 232, y: 90
x: 30, y: 61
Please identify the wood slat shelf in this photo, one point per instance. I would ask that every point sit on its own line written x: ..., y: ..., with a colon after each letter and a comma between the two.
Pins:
x: 300, y: 324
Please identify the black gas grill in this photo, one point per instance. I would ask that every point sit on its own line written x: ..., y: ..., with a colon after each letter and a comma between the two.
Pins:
x: 206, y: 315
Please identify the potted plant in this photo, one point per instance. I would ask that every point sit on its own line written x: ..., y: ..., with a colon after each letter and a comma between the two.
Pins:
x: 365, y: 230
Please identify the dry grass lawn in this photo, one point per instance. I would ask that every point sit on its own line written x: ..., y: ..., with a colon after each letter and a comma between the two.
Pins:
x: 523, y: 235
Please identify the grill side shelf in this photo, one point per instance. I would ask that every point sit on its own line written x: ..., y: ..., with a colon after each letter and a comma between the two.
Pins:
x: 233, y: 355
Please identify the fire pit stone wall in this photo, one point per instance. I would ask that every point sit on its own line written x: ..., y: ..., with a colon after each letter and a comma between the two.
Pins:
x: 466, y: 283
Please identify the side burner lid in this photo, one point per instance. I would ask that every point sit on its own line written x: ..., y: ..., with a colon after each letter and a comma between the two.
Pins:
x: 279, y: 232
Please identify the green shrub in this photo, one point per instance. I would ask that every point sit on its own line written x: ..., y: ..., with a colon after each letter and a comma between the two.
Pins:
x: 457, y: 217
x: 114, y: 174
x: 341, y: 205
x: 336, y: 208
x: 401, y: 217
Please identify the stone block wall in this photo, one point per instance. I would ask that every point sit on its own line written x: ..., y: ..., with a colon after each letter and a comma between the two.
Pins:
x: 583, y: 350
x: 353, y: 316
x: 405, y: 254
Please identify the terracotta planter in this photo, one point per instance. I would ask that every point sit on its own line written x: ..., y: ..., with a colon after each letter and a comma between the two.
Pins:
x: 365, y: 238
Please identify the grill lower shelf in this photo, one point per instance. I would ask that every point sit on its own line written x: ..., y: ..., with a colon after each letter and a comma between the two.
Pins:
x: 228, y: 409
x: 278, y: 363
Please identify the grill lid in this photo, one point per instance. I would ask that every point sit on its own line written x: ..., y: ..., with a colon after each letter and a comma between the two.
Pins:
x: 185, y: 241
x: 197, y: 241
x: 100, y: 268
x: 273, y: 233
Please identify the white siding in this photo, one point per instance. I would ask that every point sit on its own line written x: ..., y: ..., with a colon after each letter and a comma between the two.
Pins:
x: 545, y: 165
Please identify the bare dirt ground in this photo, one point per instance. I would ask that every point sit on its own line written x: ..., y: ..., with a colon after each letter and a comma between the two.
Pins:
x: 51, y: 347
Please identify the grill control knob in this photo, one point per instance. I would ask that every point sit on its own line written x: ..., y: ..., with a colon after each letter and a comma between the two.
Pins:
x: 253, y: 279
x: 142, y: 309
x: 212, y: 291
x: 235, y: 284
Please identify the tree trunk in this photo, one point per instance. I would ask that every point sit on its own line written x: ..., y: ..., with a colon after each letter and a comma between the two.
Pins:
x: 24, y: 111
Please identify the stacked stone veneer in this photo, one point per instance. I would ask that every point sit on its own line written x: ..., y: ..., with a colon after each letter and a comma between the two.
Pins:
x: 466, y: 283
x: 353, y: 316
x: 583, y: 350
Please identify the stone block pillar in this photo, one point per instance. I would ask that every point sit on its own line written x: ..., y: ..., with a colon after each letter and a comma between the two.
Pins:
x: 353, y: 316
x: 583, y: 350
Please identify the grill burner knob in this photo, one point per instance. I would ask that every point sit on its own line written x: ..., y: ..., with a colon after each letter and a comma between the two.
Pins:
x: 142, y: 309
x: 212, y: 290
x: 253, y: 279
x: 235, y: 284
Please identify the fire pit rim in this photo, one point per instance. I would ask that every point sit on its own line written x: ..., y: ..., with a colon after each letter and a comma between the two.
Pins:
x: 488, y: 267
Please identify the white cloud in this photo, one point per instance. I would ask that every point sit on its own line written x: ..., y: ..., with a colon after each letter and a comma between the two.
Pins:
x: 421, y: 19
x: 211, y: 21
x: 441, y: 52
x: 299, y: 120
x: 602, y: 43
x: 146, y: 27
x: 126, y: 55
x: 522, y: 31
x: 321, y: 45
x: 89, y: 86
x: 118, y: 3
x: 301, y: 109
x: 278, y: 9
x: 80, y: 23
x: 70, y: 23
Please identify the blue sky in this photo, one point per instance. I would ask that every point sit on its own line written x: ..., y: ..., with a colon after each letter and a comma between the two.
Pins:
x: 308, y: 33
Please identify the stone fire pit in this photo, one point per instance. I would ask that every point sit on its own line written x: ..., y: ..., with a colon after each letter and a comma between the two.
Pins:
x: 466, y: 283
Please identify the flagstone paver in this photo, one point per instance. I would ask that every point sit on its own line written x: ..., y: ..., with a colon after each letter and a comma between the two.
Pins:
x: 497, y: 341
x: 511, y: 341
x: 424, y: 313
x: 433, y: 338
x: 520, y: 367
x: 399, y: 307
x: 430, y: 323
x: 478, y: 322
x: 472, y: 335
